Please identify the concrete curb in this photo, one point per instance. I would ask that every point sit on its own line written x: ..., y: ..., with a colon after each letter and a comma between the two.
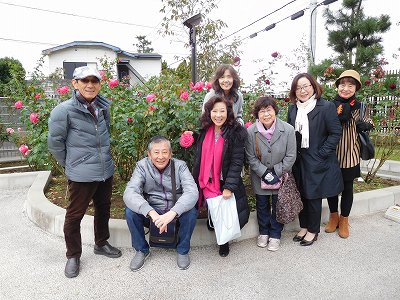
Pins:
x: 50, y: 217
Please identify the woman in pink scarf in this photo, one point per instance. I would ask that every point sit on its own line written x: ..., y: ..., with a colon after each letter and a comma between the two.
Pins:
x: 220, y: 155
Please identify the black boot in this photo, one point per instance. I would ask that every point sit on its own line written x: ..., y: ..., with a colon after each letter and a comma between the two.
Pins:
x: 224, y: 250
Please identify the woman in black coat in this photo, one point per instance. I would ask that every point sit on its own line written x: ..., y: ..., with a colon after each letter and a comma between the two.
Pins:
x: 230, y: 138
x: 316, y: 169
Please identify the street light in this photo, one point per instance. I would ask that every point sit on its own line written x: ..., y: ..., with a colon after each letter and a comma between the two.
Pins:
x: 191, y: 23
x: 313, y: 3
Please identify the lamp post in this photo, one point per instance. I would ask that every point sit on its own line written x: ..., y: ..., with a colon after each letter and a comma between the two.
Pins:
x: 191, y: 23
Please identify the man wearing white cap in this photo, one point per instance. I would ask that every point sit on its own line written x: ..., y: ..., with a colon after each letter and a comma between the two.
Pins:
x: 79, y: 139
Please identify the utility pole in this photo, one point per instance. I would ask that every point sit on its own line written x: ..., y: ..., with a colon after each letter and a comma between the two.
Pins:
x: 313, y: 29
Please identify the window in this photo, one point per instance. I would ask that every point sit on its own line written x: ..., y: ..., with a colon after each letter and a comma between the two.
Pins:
x: 69, y: 68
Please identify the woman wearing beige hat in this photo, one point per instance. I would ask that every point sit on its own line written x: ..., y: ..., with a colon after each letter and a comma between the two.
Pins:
x: 348, y: 149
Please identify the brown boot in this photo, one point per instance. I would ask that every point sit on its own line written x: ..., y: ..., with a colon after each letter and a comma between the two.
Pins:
x: 333, y: 223
x: 344, y: 227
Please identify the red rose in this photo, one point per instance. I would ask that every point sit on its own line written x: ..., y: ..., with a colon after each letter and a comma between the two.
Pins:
x: 186, y: 140
x: 367, y: 82
x: 129, y: 120
x: 287, y: 99
x: 275, y: 54
x: 392, y: 86
x: 267, y: 82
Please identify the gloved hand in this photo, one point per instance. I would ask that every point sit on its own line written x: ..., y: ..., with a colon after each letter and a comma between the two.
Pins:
x: 363, y: 126
x: 345, y: 113
x: 270, y: 177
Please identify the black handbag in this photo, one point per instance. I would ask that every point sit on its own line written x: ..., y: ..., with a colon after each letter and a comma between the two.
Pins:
x: 367, y: 149
x: 168, y: 239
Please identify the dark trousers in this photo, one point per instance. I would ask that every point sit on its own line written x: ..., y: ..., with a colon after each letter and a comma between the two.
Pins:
x: 80, y: 195
x: 346, y: 201
x: 310, y: 215
x: 136, y: 223
x: 266, y: 216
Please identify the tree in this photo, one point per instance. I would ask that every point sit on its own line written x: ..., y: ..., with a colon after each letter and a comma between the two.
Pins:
x: 211, y: 52
x: 354, y: 37
x: 12, y: 74
x: 143, y: 44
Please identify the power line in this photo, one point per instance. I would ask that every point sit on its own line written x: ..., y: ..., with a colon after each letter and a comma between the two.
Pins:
x: 254, y: 22
x: 28, y: 42
x: 75, y: 15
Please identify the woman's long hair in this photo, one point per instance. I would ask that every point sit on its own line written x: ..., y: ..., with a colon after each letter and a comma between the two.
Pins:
x: 205, y: 119
x: 233, y: 92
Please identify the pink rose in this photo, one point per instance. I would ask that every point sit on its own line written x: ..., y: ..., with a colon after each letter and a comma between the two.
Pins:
x: 113, y: 83
x: 18, y: 104
x: 129, y: 120
x: 275, y: 54
x: 248, y: 124
x: 24, y: 149
x: 208, y: 85
x: 10, y: 130
x: 103, y: 74
x: 34, y: 118
x: 38, y: 96
x: 151, y: 108
x: 19, y: 129
x: 150, y: 98
x: 186, y: 140
x: 63, y: 90
x: 184, y: 96
x: 199, y: 86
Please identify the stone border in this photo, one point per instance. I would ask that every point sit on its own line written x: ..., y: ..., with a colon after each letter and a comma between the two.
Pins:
x: 50, y: 217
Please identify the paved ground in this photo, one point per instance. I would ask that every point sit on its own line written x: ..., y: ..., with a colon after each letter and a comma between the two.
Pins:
x: 365, y: 266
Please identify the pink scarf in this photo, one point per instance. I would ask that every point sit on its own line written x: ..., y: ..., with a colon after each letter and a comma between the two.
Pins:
x: 211, y: 161
x: 267, y: 133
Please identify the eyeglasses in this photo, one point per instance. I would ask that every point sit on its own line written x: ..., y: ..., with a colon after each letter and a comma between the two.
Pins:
x: 87, y: 80
x: 304, y: 87
x: 266, y: 111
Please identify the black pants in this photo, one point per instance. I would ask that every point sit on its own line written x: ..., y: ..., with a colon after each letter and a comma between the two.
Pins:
x: 346, y: 201
x: 80, y: 195
x: 310, y: 215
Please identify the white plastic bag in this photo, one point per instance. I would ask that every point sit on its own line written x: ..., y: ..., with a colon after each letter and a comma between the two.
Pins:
x: 225, y: 218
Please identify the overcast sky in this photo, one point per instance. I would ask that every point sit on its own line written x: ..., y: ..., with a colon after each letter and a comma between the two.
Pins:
x: 25, y: 32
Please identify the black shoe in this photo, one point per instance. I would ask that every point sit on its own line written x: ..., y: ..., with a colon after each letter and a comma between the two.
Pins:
x: 72, y: 267
x: 224, y: 250
x: 107, y: 250
x: 309, y: 243
x: 298, y: 238
x: 210, y: 225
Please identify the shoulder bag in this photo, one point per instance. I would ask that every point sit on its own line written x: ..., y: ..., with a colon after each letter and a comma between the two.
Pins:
x: 289, y: 202
x: 367, y: 150
x: 167, y: 239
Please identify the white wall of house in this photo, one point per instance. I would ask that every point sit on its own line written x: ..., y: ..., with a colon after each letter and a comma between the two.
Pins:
x: 80, y: 54
x: 145, y: 67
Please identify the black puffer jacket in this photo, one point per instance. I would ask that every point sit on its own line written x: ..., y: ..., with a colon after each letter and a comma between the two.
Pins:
x: 232, y: 164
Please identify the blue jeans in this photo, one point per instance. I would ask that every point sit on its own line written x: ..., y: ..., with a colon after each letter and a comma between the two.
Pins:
x: 137, y: 222
x: 266, y: 216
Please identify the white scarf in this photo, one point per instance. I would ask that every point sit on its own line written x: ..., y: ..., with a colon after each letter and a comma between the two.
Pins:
x: 301, y: 123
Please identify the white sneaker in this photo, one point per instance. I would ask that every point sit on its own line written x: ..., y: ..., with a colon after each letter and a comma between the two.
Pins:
x: 262, y: 241
x: 274, y: 244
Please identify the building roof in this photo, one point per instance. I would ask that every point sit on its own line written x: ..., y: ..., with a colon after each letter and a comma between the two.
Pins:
x: 101, y: 44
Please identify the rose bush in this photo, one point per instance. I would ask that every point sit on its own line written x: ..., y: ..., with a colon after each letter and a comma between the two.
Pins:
x: 166, y: 105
